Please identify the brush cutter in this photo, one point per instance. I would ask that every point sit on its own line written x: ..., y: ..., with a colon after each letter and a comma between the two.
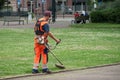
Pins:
x: 52, y: 47
x: 60, y: 65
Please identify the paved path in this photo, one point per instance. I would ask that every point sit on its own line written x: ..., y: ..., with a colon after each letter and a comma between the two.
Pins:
x: 60, y: 22
x: 101, y: 73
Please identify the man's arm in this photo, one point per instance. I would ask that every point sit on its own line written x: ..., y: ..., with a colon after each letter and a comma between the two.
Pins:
x: 53, y: 37
x: 48, y: 33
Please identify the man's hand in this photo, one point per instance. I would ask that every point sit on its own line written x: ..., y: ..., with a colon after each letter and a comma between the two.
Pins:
x: 58, y: 41
x: 54, y: 38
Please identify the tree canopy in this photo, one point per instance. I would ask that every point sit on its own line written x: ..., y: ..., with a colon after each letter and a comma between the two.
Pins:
x: 107, y: 0
x: 2, y: 2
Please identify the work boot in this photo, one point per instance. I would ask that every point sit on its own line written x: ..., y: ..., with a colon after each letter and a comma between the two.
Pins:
x: 46, y: 71
x: 34, y: 71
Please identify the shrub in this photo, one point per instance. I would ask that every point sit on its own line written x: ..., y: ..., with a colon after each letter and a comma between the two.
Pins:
x: 114, y: 16
x: 109, y: 15
x: 97, y: 16
x: 116, y: 4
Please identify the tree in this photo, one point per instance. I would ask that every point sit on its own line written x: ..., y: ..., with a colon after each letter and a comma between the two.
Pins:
x: 116, y: 4
x: 89, y: 4
x: 107, y: 0
x: 2, y: 2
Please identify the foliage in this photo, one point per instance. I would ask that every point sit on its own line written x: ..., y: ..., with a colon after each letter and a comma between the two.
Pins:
x: 2, y: 3
x: 89, y: 4
x: 116, y: 4
x: 107, y: 0
x: 114, y: 17
x: 109, y: 5
x: 107, y: 13
x: 96, y: 16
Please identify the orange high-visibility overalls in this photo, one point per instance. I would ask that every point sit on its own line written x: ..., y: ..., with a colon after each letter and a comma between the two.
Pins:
x: 40, y: 49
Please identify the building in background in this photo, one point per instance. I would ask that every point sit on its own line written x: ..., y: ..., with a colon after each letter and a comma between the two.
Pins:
x: 13, y: 4
x: 38, y: 6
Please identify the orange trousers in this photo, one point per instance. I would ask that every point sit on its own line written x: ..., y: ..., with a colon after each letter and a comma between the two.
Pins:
x: 40, y: 54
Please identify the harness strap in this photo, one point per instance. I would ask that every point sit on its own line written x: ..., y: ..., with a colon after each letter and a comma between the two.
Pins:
x: 38, y: 29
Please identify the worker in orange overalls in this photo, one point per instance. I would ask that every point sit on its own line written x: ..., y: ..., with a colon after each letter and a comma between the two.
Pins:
x: 41, y: 30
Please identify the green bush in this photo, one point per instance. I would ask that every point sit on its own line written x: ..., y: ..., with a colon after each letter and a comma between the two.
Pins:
x: 97, y: 16
x: 109, y: 15
x: 114, y: 16
x: 116, y: 4
x: 106, y: 13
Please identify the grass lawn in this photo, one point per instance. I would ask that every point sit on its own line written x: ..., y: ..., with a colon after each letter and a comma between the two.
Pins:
x: 82, y: 46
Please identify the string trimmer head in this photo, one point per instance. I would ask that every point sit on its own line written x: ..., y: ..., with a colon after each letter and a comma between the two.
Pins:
x: 60, y: 66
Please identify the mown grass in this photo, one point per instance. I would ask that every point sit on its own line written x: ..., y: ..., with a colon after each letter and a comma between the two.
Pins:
x: 82, y: 46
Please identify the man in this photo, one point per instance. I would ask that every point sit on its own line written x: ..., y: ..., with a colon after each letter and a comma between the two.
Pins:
x: 76, y: 17
x: 76, y: 14
x: 42, y: 31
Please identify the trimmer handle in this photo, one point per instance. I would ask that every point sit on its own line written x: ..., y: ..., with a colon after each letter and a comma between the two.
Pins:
x: 58, y: 42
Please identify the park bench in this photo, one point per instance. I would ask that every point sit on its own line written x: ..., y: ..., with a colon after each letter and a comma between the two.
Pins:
x: 80, y: 19
x: 13, y: 19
